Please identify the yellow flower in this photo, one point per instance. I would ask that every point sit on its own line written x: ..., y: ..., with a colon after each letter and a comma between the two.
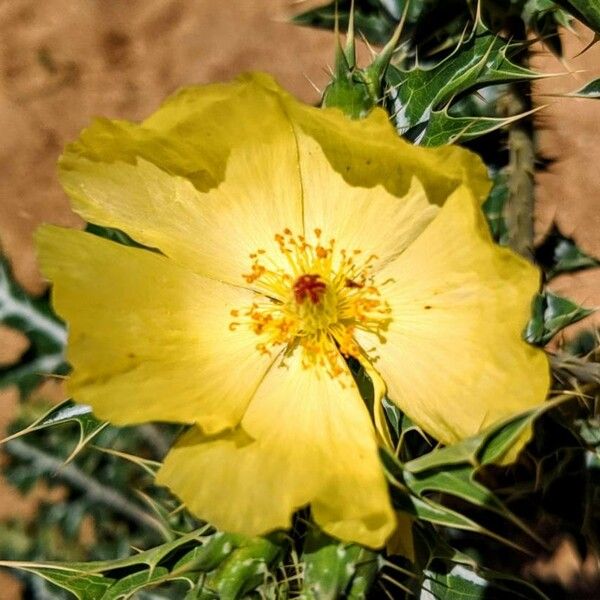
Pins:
x: 289, y: 238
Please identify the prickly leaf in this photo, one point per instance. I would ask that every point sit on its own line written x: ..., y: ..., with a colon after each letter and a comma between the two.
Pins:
x: 550, y: 314
x: 45, y: 332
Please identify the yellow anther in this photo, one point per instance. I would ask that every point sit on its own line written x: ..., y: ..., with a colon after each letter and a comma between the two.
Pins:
x: 313, y: 301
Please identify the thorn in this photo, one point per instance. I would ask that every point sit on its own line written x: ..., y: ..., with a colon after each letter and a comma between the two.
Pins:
x: 341, y: 62
x: 366, y: 43
x: 313, y: 84
x: 594, y: 41
x: 478, y: 19
x: 328, y: 69
x: 350, y: 48
x: 381, y: 62
x: 336, y: 23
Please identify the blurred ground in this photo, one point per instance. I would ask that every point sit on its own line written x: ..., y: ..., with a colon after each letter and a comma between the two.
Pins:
x: 569, y: 192
x: 64, y: 61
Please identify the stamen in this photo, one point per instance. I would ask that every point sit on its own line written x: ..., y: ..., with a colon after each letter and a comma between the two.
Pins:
x: 350, y: 283
x: 317, y: 297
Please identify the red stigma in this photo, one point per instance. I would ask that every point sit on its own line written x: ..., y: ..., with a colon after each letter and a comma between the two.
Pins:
x: 309, y: 286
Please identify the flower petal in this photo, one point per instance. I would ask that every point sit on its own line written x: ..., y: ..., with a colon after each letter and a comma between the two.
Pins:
x: 191, y: 134
x: 369, y: 151
x: 454, y: 359
x: 320, y: 449
x: 367, y: 219
x: 209, y: 233
x: 147, y: 339
x: 109, y: 141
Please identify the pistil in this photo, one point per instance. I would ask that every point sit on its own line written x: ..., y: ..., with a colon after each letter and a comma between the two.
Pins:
x: 310, y: 287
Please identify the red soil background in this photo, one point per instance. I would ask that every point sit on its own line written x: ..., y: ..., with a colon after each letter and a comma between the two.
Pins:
x: 65, y: 61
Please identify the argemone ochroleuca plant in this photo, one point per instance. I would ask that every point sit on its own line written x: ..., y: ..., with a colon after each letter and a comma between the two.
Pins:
x: 280, y: 241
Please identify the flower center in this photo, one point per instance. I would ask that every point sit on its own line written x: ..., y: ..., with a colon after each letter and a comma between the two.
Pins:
x: 317, y: 297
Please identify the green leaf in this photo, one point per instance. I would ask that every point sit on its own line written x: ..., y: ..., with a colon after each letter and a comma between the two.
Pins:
x: 455, y: 454
x: 426, y: 510
x: 484, y: 448
x: 394, y: 416
x: 550, y: 314
x: 451, y: 470
x: 95, y: 580
x: 407, y: 437
x: 247, y: 567
x: 127, y: 586
x: 371, y: 18
x: 84, y: 586
x: 210, y: 554
x: 532, y: 9
x: 456, y: 581
x: 420, y: 97
x: 545, y: 18
x: 449, y: 573
x: 500, y: 438
x: 46, y: 333
x: 587, y: 11
x: 459, y: 481
x: 333, y: 569
x: 456, y: 481
x: 421, y: 508
x: 150, y: 558
x: 487, y: 447
x: 444, y: 128
x: 559, y: 254
x: 66, y: 412
x: 493, y: 208
x: 427, y: 21
x: 590, y: 90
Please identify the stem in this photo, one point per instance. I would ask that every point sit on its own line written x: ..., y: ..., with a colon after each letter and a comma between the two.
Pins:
x: 11, y: 308
x: 520, y: 205
x: 95, y: 491
x: 518, y: 212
